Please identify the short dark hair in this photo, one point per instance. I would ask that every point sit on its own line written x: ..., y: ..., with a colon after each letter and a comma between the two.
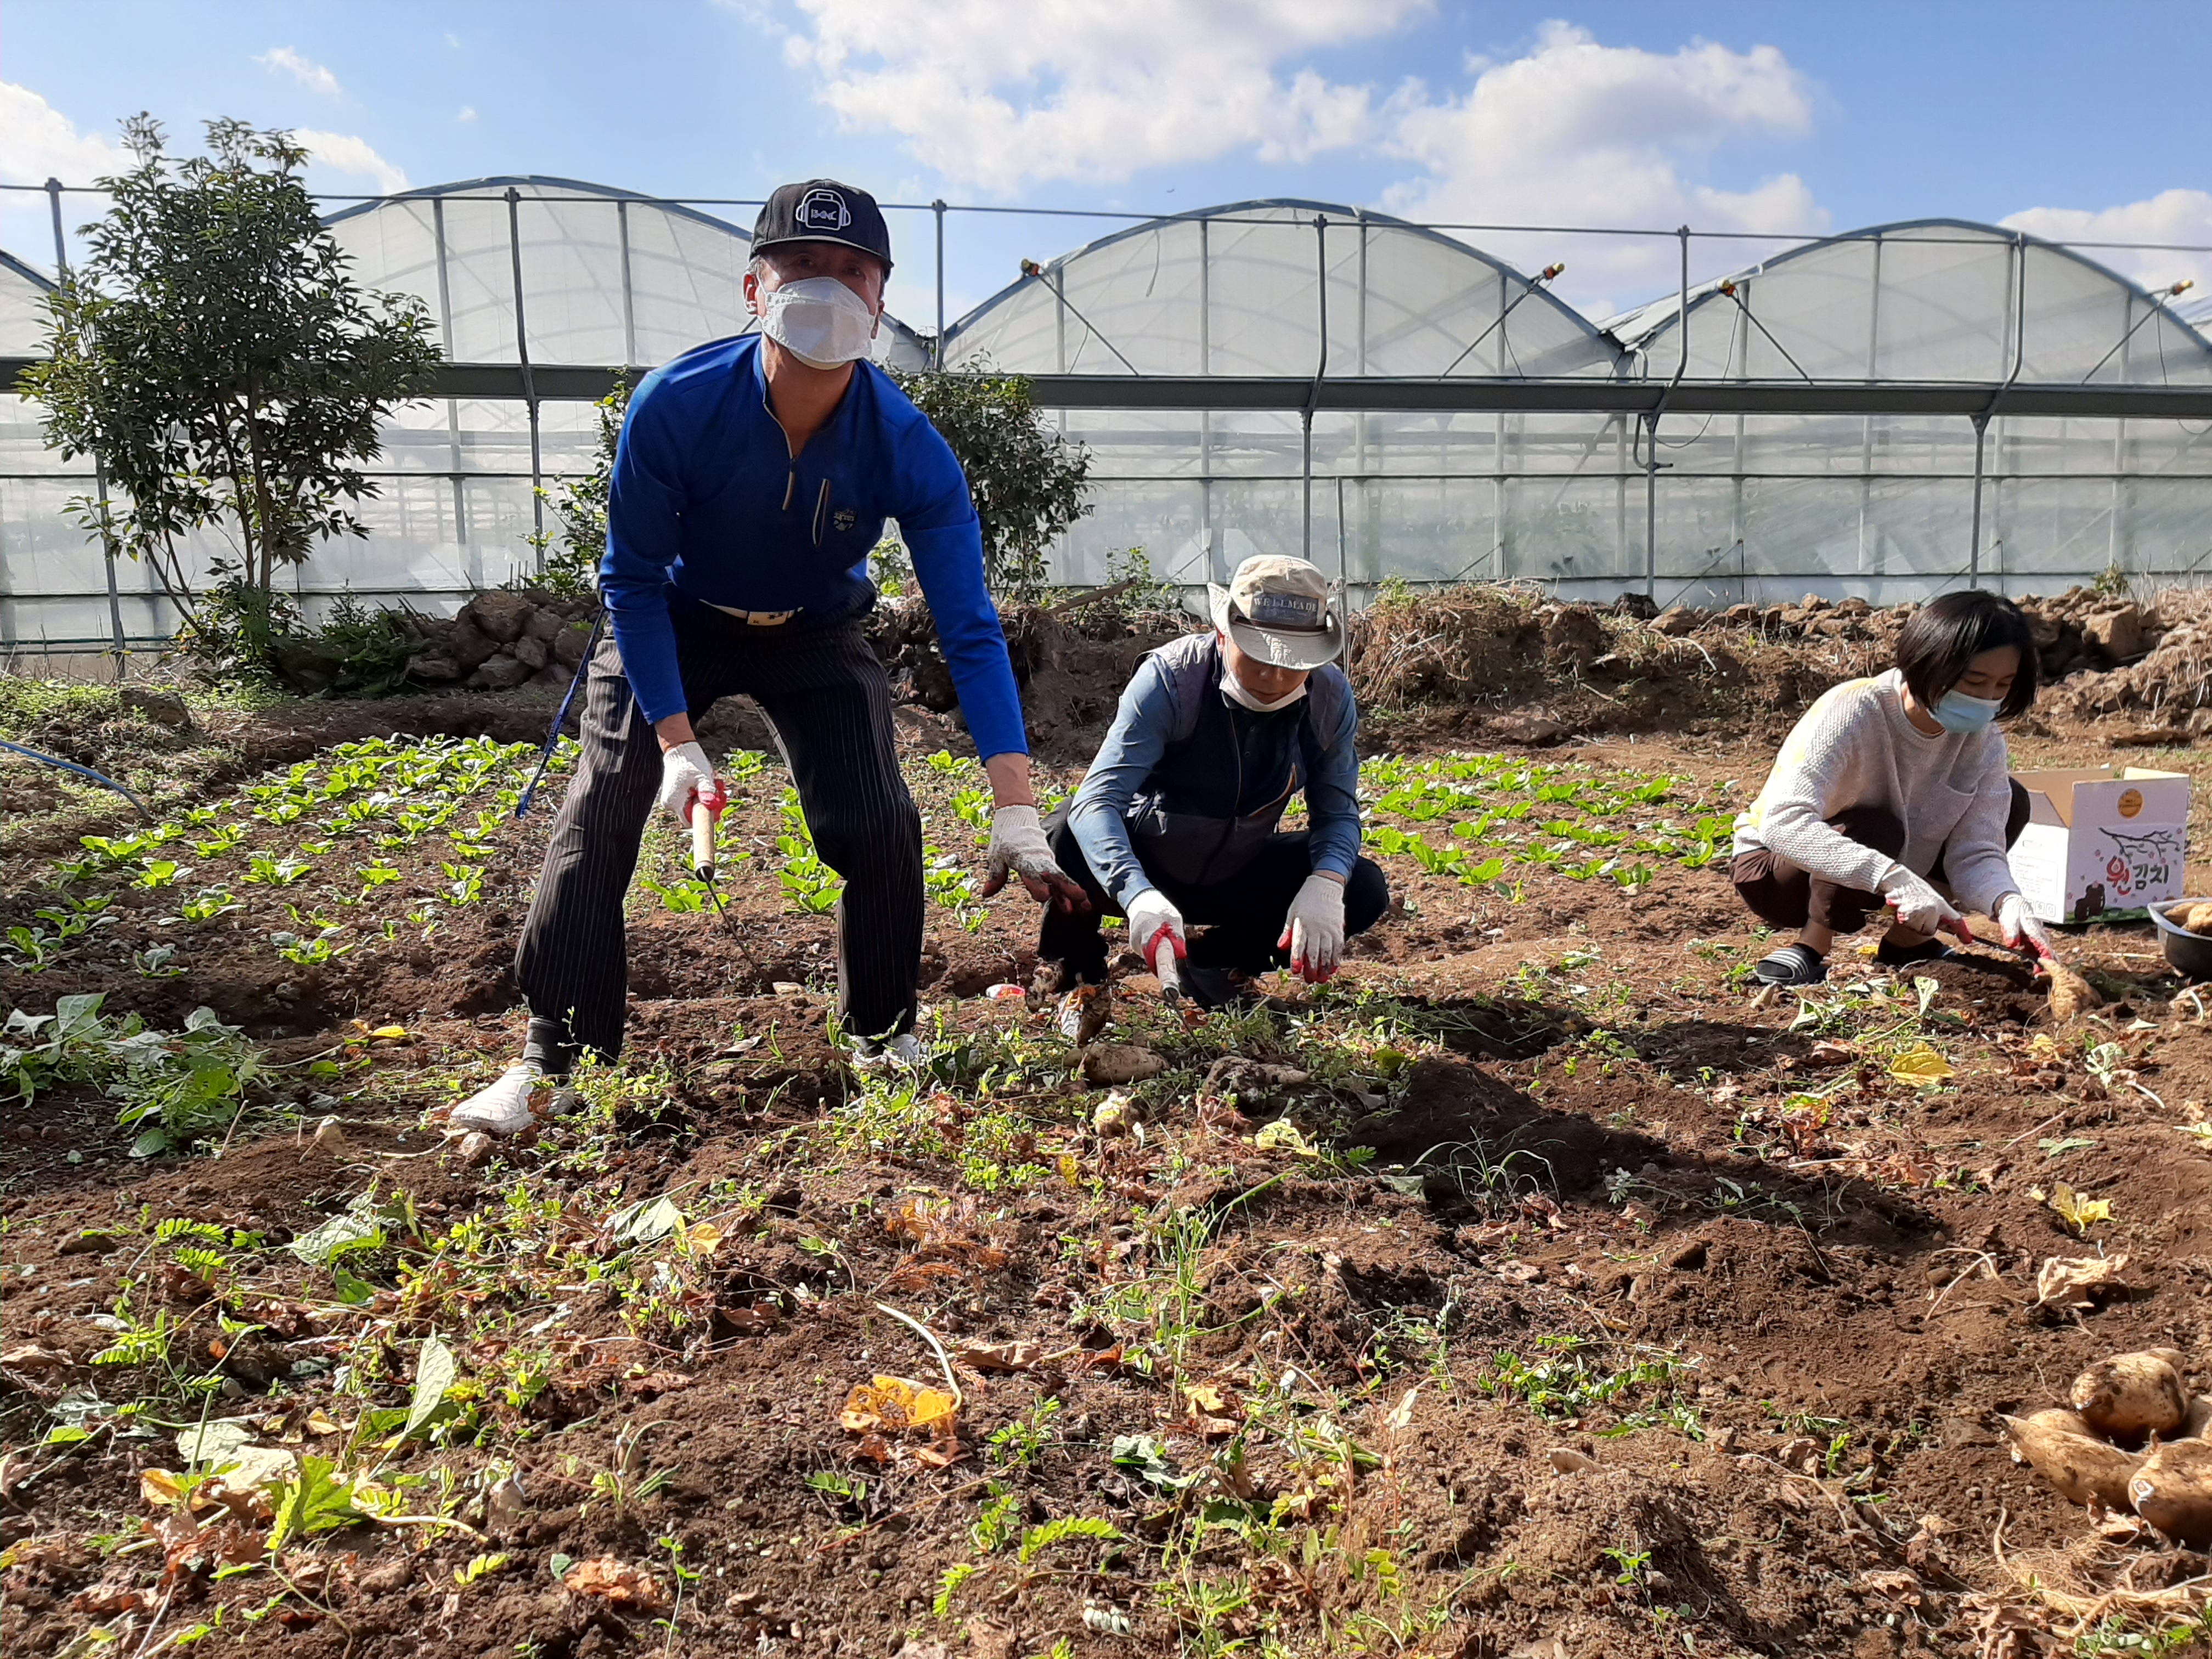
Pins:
x: 1947, y: 633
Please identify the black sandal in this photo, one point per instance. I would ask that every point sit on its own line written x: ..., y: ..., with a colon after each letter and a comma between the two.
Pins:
x: 1793, y: 964
x: 1909, y: 956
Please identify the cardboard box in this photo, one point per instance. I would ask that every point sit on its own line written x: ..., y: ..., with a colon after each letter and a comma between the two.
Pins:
x: 2100, y: 842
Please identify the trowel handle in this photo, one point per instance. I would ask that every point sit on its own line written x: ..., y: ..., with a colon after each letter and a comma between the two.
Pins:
x: 702, y: 838
x: 1169, y: 974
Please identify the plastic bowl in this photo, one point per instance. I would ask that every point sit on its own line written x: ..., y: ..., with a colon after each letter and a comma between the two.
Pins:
x: 2191, y: 954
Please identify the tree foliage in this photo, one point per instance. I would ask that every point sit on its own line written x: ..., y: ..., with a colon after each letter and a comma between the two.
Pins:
x: 1028, y: 481
x: 213, y: 352
x: 572, y: 554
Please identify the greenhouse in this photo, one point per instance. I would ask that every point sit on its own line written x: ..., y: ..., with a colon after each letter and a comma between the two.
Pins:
x: 1887, y: 412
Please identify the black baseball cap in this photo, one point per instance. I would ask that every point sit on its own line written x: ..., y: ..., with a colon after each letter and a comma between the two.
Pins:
x: 824, y: 210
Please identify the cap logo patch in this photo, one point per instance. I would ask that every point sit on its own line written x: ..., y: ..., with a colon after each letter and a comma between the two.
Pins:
x: 844, y: 518
x: 1299, y: 611
x: 823, y: 210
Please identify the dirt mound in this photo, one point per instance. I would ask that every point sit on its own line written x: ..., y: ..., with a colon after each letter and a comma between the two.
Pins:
x: 1532, y: 672
x: 2167, y: 650
x: 1071, y: 662
x: 1512, y: 665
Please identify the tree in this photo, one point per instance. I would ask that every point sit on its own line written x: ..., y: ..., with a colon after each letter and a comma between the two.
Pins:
x: 1028, y: 481
x: 573, y: 566
x: 213, y: 354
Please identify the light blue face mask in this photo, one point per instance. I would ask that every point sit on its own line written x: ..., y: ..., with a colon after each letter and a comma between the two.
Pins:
x: 1957, y: 712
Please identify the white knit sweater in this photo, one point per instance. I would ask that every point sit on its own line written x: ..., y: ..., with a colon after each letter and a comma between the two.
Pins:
x: 1855, y: 747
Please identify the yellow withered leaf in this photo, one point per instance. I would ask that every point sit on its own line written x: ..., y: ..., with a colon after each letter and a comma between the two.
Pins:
x: 893, y: 1403
x: 1205, y: 1397
x: 1920, y: 1064
x: 389, y: 1033
x: 160, y: 1488
x: 2079, y: 1213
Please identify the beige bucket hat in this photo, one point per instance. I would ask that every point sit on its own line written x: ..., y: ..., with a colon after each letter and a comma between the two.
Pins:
x: 1277, y: 609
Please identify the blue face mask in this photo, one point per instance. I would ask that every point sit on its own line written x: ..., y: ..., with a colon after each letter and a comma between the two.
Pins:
x: 1957, y: 712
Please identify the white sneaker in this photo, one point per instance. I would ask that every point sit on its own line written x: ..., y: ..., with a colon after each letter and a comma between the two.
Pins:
x: 501, y: 1109
x: 902, y: 1053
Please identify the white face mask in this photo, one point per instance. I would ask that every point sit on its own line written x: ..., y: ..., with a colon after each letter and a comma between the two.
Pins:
x: 1233, y: 689
x: 820, y: 321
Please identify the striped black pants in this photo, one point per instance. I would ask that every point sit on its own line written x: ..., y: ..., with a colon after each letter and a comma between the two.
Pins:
x: 825, y: 693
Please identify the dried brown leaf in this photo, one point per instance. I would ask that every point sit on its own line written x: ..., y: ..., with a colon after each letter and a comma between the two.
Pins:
x: 2079, y: 1281
x: 616, y: 1583
x: 1004, y: 1355
x: 30, y: 1357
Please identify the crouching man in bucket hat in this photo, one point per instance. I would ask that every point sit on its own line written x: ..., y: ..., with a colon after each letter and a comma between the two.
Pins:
x: 1176, y: 825
x: 752, y: 480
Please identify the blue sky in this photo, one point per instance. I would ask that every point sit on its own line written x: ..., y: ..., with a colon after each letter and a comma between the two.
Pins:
x: 1782, y: 117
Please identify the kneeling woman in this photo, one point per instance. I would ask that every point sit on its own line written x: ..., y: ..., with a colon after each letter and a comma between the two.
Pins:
x: 1178, y: 822
x: 1896, y: 791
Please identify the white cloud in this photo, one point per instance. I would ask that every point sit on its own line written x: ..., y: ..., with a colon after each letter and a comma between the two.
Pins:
x: 1002, y: 95
x: 2172, y: 215
x: 38, y: 143
x: 468, y: 114
x: 1578, y: 133
x: 999, y: 94
x: 305, y: 70
x: 345, y: 153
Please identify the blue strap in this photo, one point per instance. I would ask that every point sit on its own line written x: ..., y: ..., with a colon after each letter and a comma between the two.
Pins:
x: 553, y: 735
x: 82, y: 771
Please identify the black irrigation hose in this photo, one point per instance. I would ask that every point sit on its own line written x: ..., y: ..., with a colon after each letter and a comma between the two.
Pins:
x: 82, y: 771
x: 553, y: 735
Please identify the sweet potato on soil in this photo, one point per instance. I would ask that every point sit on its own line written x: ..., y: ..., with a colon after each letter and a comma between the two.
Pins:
x: 2070, y: 994
x: 2197, y: 1422
x: 2131, y: 1396
x: 2071, y: 1455
x: 2172, y: 1491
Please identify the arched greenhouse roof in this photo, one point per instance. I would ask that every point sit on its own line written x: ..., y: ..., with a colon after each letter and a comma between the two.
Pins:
x: 1923, y: 299
x: 1234, y: 290
x: 23, y: 293
x: 609, y: 276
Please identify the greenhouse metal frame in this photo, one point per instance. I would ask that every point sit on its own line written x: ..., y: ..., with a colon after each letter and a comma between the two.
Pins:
x: 1887, y: 411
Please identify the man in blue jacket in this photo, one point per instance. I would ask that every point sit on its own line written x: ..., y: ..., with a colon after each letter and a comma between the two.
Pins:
x: 1175, y: 824
x: 752, y: 480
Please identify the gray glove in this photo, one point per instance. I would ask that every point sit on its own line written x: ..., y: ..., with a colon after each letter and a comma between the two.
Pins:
x: 2018, y: 927
x: 1153, y: 921
x: 1018, y: 848
x: 685, y: 772
x: 1920, y: 909
x: 1314, y: 932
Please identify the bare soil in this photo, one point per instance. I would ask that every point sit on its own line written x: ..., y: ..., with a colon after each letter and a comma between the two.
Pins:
x: 1586, y: 1301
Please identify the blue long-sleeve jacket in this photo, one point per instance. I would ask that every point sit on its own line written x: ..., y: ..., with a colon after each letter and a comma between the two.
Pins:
x: 707, y: 496
x: 1144, y: 724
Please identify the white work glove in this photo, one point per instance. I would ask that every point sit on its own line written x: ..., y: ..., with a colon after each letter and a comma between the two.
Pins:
x: 1018, y: 848
x: 1152, y: 921
x: 1314, y: 932
x: 2018, y: 928
x: 1920, y: 909
x: 684, y: 774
